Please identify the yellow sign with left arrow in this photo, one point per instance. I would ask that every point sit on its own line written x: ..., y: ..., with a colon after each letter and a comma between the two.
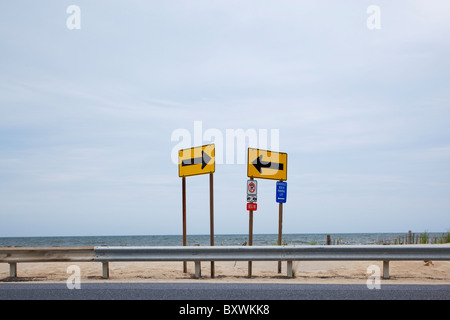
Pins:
x: 266, y: 164
x: 197, y: 160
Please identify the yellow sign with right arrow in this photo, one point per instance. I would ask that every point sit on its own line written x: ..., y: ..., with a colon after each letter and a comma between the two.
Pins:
x: 266, y: 164
x: 197, y: 160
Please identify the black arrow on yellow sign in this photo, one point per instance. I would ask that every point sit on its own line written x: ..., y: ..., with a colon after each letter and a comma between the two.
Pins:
x: 203, y: 160
x: 259, y: 164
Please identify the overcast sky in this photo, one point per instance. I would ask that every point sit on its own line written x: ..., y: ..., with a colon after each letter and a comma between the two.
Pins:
x: 87, y: 116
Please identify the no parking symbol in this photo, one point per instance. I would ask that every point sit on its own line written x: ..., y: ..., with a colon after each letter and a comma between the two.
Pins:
x: 251, y: 190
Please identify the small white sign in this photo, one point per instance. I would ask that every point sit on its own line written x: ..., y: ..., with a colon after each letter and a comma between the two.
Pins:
x: 251, y: 190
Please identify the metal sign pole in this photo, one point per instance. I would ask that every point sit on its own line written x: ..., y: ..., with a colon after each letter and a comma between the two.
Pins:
x: 211, y: 215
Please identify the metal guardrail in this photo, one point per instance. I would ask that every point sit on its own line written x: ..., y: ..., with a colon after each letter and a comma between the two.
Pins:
x: 50, y: 254
x: 225, y: 253
x: 274, y: 253
x: 14, y: 255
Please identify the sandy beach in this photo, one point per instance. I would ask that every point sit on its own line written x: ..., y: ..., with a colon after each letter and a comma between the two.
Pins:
x: 350, y: 272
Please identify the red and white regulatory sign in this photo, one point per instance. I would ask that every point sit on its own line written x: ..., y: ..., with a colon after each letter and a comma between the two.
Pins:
x: 251, y: 206
x: 251, y: 190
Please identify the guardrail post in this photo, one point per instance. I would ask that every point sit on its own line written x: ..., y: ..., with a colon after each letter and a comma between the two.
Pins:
x: 385, y: 269
x: 13, y: 269
x: 198, y: 270
x: 289, y: 269
x: 105, y: 267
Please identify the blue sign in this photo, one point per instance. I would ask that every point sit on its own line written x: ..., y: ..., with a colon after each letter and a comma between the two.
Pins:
x: 281, y: 191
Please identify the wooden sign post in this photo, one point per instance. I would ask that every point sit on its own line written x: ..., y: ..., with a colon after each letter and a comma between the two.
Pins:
x: 197, y: 161
x: 250, y: 236
x: 281, y: 195
x: 266, y: 164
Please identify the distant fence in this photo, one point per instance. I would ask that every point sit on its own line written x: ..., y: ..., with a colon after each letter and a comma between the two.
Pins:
x: 105, y: 255
x: 420, y: 238
x: 407, y: 238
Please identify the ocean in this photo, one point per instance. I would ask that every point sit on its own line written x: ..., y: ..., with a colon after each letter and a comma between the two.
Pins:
x: 219, y: 240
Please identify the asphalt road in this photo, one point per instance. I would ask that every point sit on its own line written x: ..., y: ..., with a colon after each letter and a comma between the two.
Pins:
x: 219, y: 291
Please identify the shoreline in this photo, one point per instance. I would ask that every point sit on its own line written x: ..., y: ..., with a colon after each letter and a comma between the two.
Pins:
x: 230, y: 239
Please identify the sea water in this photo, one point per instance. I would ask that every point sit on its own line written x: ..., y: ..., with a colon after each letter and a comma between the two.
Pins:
x: 203, y: 240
